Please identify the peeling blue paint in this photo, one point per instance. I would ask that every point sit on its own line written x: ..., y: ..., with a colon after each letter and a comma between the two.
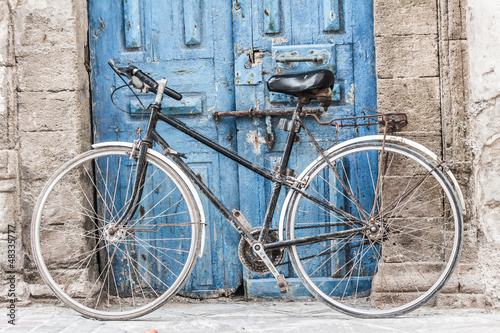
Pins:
x: 132, y: 23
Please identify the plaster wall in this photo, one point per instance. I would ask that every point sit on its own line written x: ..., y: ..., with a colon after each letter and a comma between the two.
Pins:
x: 483, y: 21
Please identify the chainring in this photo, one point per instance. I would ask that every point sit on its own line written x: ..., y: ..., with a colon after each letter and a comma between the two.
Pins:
x: 252, y: 261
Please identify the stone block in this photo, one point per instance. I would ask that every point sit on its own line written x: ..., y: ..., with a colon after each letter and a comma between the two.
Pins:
x: 414, y: 239
x: 8, y: 164
x: 41, y: 153
x: 37, y: 70
x: 54, y: 111
x: 470, y: 248
x: 418, y: 98
x: 6, y: 35
x: 457, y: 13
x: 454, y: 97
x: 459, y: 301
x: 470, y: 279
x: 7, y: 108
x: 407, y: 56
x: 405, y: 17
x: 8, y: 185
x: 8, y: 207
x: 408, y: 277
x: 430, y: 140
x: 44, y: 24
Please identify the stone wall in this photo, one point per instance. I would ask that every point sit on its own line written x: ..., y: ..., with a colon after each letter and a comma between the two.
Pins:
x: 422, y: 69
x: 484, y: 111
x: 44, y: 112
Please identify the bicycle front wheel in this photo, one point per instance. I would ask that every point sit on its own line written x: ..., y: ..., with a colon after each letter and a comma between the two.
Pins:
x: 109, y: 271
x: 410, y: 230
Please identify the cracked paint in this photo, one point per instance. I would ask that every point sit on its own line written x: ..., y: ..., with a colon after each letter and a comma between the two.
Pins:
x: 256, y: 140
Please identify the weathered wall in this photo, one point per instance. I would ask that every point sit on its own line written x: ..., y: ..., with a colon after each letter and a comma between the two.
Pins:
x: 484, y: 110
x: 44, y: 110
x: 422, y: 69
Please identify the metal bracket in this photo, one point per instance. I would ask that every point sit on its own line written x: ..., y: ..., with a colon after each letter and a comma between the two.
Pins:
x: 135, y: 149
x: 170, y: 151
x: 286, y: 125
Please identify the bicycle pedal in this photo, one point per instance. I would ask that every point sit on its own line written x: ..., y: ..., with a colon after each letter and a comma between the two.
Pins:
x: 282, y: 284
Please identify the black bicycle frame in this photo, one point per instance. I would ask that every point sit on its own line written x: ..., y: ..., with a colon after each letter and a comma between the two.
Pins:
x: 279, y: 179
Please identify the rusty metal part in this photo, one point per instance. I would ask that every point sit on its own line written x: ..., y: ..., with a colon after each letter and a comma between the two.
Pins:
x: 323, y: 96
x: 269, y: 137
x: 264, y: 113
x: 251, y: 260
x: 393, y: 121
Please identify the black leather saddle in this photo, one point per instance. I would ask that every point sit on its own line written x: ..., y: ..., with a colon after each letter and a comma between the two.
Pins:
x: 296, y: 84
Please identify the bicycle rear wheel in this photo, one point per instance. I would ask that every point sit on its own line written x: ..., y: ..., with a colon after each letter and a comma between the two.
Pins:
x: 106, y: 271
x: 412, y: 230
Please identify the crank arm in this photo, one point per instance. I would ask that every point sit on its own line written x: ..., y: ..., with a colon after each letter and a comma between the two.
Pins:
x: 282, y: 284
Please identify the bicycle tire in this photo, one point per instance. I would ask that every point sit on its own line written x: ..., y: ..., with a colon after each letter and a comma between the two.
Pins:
x: 407, y: 260
x: 126, y: 272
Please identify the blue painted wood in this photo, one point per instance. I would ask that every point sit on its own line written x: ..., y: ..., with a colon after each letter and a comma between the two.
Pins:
x: 190, y: 104
x: 203, y: 73
x: 204, y: 269
x: 267, y: 288
x: 192, y: 22
x: 132, y: 23
x: 305, y: 26
x: 272, y: 16
x: 331, y: 15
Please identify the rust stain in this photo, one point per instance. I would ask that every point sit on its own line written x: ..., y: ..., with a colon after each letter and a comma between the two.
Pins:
x: 101, y: 25
x: 142, y: 211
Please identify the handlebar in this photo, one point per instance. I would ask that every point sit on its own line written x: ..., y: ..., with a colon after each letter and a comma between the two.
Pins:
x: 133, y: 72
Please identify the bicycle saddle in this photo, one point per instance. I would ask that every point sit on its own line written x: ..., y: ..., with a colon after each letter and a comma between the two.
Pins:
x: 307, y: 82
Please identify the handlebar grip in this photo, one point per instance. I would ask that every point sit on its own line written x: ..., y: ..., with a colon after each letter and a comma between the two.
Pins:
x: 154, y: 85
x: 172, y: 93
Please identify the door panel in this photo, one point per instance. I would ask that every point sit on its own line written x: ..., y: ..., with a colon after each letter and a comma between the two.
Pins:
x: 190, y: 44
x: 339, y: 32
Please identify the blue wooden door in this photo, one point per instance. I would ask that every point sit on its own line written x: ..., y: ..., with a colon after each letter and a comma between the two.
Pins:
x: 189, y: 42
x: 340, y: 31
x: 219, y: 54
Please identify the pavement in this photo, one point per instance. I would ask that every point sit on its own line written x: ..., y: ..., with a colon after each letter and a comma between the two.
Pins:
x: 260, y: 316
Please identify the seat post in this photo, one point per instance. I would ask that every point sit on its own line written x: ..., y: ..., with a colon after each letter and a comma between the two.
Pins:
x: 291, y: 137
x: 281, y: 170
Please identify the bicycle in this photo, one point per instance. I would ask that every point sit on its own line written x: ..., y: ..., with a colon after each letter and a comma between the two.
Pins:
x: 378, y: 252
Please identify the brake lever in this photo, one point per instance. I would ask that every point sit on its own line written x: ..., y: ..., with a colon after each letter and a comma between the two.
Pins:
x: 123, y: 71
x: 133, y: 80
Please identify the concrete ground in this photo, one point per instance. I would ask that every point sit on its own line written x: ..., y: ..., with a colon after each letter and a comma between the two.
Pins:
x: 240, y: 316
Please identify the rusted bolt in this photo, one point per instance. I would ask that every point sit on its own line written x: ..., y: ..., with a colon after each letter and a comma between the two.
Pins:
x: 237, y: 6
